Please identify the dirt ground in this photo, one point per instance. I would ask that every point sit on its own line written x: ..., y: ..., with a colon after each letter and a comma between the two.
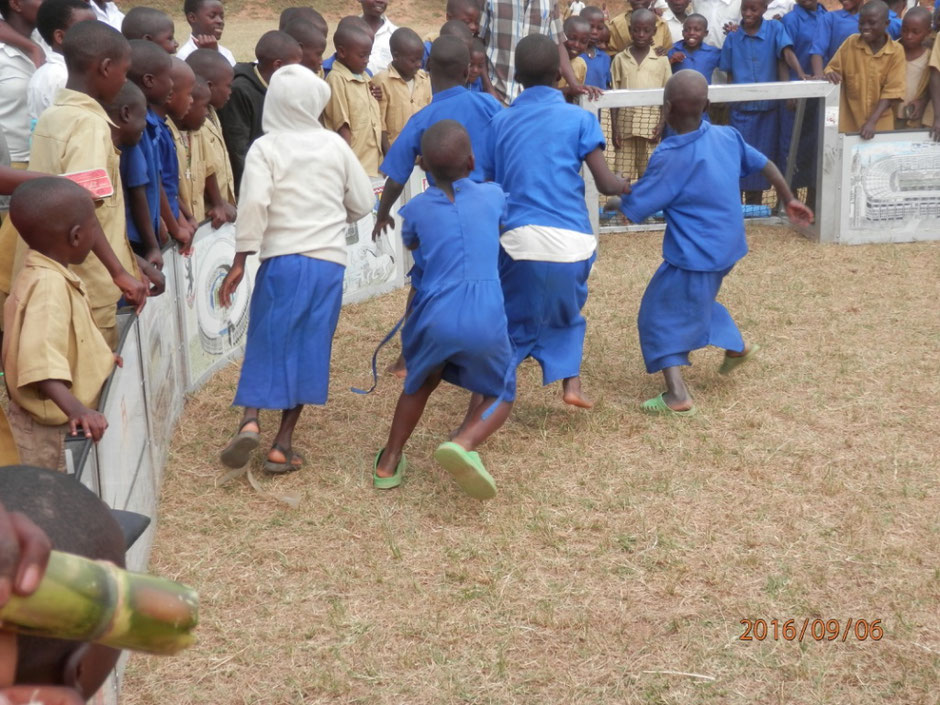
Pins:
x: 623, y: 551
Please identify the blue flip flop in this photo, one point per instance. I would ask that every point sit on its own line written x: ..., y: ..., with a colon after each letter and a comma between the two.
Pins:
x: 388, y: 483
x: 467, y: 470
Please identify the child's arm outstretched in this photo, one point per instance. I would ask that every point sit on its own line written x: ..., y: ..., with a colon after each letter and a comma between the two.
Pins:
x: 790, y: 60
x: 798, y: 212
x: 92, y: 422
x: 607, y: 182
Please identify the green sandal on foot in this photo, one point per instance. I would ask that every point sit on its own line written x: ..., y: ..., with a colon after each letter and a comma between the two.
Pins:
x: 467, y: 470
x: 658, y: 405
x: 388, y: 483
x: 731, y: 362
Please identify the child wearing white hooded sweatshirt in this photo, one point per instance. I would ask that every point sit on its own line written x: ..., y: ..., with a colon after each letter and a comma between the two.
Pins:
x: 302, y: 184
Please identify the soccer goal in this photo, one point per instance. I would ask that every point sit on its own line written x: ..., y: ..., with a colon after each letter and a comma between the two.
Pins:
x: 800, y: 131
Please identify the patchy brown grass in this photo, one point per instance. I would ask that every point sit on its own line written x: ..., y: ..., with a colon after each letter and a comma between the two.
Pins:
x: 621, y: 547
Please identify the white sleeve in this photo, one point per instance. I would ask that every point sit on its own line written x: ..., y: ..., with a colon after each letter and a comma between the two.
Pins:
x: 359, y: 197
x: 257, y: 189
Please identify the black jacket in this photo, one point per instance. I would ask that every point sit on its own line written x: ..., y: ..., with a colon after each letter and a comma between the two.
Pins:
x: 241, y: 116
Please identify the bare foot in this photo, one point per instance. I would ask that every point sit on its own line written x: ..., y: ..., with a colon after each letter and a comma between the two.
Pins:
x: 387, y: 464
x: 397, y: 368
x: 571, y: 393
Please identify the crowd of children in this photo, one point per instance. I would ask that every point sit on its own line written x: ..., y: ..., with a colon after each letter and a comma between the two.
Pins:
x: 185, y: 134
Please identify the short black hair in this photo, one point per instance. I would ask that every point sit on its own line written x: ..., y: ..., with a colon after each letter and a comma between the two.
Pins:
x: 875, y: 6
x: 304, y: 13
x: 201, y: 85
x: 208, y: 63
x: 403, y: 39
x: 445, y: 146
x: 147, y: 57
x: 576, y: 23
x: 30, y: 206
x: 646, y: 15
x: 275, y: 46
x: 450, y: 57
x: 90, y: 41
x: 591, y: 11
x: 345, y: 34
x: 456, y: 28
x: 141, y: 21
x: 696, y: 16
x: 454, y: 6
x: 918, y: 11
x: 72, y: 516
x: 306, y: 33
x: 130, y: 94
x: 56, y: 14
x: 195, y: 5
x: 536, y: 61
x: 477, y: 46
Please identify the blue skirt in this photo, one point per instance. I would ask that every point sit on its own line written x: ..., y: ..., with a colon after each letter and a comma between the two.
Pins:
x: 679, y: 314
x: 543, y: 308
x: 293, y: 315
x: 461, y: 328
x: 761, y: 130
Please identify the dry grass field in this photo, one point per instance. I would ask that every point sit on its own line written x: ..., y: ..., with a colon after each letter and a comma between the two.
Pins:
x: 623, y: 550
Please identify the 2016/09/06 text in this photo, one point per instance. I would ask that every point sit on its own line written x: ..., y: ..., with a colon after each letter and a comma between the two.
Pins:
x: 815, y: 629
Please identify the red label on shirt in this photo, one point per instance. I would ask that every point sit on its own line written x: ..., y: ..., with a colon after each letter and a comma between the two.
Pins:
x: 96, y: 181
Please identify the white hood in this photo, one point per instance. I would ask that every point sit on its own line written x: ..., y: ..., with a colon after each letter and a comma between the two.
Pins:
x: 296, y: 96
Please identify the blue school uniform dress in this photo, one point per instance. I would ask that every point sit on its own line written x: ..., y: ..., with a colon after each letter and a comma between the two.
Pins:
x: 832, y: 29
x: 704, y: 59
x: 753, y: 59
x: 472, y: 110
x: 801, y: 26
x: 476, y: 86
x: 894, y: 25
x: 139, y: 168
x: 457, y: 318
x: 548, y: 246
x: 598, y: 69
x: 165, y: 151
x: 693, y: 178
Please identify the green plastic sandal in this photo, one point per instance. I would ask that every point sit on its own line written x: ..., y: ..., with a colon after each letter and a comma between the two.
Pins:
x: 731, y: 363
x: 388, y: 483
x: 658, y: 405
x: 467, y: 470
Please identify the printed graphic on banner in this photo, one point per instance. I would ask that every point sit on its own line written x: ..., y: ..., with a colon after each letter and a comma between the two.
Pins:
x: 890, y: 188
x: 126, y: 474
x: 212, y: 334
x: 162, y: 363
x: 372, y: 268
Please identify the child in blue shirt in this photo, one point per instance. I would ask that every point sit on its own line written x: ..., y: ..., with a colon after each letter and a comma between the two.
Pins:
x: 693, y: 177
x: 691, y: 52
x: 801, y: 23
x: 752, y: 54
x: 450, y: 100
x: 832, y: 29
x: 456, y: 325
x: 597, y: 60
x: 548, y: 246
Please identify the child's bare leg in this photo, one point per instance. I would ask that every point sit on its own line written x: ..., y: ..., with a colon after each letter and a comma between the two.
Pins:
x: 475, y: 400
x: 282, y: 451
x: 477, y: 429
x: 677, y: 395
x: 572, y: 394
x: 407, y: 414
x: 250, y: 420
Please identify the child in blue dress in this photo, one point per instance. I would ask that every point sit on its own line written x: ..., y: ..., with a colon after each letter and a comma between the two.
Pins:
x: 755, y: 53
x: 693, y: 177
x: 300, y: 187
x: 548, y: 246
x: 832, y: 29
x: 691, y: 52
x: 455, y: 329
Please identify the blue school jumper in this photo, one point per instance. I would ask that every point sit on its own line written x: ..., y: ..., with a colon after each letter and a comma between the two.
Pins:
x: 693, y: 178
x: 472, y: 110
x: 598, y: 70
x: 476, y: 86
x: 542, y: 177
x: 139, y: 167
x: 704, y: 59
x: 293, y: 313
x: 832, y: 29
x: 457, y: 318
x: 801, y: 26
x: 753, y: 59
x: 165, y: 150
x: 894, y: 25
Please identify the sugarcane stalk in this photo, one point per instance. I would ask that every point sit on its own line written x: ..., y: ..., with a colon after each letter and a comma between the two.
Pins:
x: 95, y: 601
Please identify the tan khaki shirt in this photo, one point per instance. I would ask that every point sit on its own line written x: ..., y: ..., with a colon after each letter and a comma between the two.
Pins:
x: 866, y: 79
x: 399, y: 100
x: 652, y: 72
x: 50, y: 334
x: 353, y: 104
